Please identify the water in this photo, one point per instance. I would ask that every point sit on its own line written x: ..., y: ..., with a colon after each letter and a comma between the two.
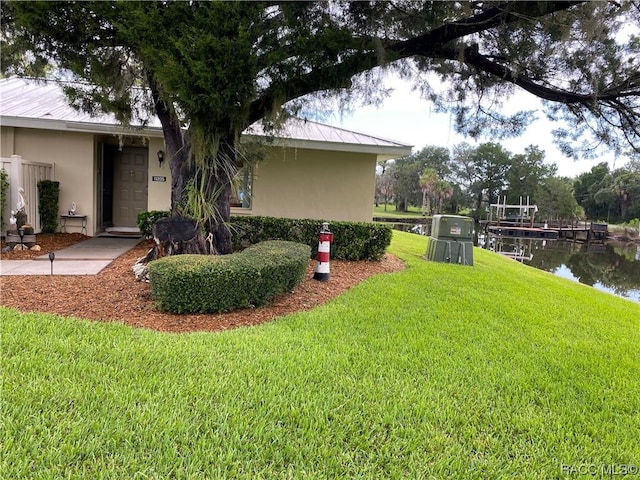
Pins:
x: 420, y: 228
x: 610, y: 267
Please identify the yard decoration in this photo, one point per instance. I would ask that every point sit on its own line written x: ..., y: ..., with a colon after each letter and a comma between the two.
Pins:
x: 21, y: 234
x: 323, y: 265
x: 173, y: 235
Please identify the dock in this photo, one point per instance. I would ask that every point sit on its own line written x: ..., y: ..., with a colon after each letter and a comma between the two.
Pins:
x: 522, y: 232
x: 518, y: 221
x: 584, y: 232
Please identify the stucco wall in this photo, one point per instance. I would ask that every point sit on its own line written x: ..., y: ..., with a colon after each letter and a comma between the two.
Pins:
x: 299, y: 183
x: 6, y: 142
x: 73, y: 156
x: 289, y: 182
x: 159, y: 197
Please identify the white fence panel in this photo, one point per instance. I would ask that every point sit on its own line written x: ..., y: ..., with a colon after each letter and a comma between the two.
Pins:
x: 25, y: 174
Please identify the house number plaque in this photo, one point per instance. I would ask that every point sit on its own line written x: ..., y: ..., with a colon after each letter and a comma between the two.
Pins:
x: 159, y: 179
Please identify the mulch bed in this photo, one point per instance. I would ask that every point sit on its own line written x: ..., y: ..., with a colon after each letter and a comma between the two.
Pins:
x: 115, y: 295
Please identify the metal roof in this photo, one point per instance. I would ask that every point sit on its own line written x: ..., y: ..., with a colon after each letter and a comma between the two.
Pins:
x: 33, y: 103
x: 40, y: 100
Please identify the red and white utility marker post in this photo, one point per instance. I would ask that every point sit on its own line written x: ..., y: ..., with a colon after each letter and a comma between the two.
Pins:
x: 325, y: 239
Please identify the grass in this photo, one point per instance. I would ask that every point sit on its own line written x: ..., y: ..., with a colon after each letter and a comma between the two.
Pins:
x: 391, y: 211
x: 439, y: 371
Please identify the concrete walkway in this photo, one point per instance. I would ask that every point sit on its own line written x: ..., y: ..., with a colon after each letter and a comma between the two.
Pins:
x: 84, y: 258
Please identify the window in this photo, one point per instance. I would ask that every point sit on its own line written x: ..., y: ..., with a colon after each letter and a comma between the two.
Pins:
x: 241, y: 188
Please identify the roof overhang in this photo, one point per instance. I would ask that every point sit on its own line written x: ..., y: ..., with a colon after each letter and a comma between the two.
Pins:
x: 44, y: 106
x: 66, y: 126
x: 383, y: 152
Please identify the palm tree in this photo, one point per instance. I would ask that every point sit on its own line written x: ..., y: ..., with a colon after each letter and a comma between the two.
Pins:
x: 427, y: 181
x: 442, y: 190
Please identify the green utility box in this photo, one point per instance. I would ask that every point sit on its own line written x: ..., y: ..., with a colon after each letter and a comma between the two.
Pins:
x: 451, y: 240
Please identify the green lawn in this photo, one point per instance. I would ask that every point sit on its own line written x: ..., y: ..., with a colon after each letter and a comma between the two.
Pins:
x: 439, y: 371
x: 391, y: 211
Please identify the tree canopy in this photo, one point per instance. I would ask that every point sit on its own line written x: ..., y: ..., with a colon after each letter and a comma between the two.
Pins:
x: 208, y: 70
x: 610, y: 195
x: 471, y: 178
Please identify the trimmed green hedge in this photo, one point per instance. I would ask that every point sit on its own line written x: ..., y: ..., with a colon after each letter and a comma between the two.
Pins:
x: 212, y: 283
x: 48, y: 195
x: 351, y: 240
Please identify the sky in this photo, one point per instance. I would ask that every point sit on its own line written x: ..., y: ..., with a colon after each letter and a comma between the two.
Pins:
x: 406, y: 117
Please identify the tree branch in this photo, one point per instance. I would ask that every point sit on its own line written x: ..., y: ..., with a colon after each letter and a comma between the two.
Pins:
x: 339, y: 74
x: 472, y: 57
x: 504, y: 13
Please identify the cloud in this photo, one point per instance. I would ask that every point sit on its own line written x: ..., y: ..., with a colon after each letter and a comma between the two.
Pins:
x: 406, y: 117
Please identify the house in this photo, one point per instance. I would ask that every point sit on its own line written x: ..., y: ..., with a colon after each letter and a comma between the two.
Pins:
x: 111, y: 172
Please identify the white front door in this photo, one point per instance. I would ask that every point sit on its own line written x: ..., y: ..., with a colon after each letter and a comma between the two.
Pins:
x: 130, y: 186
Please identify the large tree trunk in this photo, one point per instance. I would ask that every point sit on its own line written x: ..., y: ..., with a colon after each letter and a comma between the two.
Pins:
x: 218, y: 188
x: 177, y: 146
x: 183, y: 169
x: 172, y: 236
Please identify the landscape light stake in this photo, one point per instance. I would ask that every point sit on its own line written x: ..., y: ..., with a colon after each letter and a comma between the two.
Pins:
x: 21, y: 233
x: 52, y: 257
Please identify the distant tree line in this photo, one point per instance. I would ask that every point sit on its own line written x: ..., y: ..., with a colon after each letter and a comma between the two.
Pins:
x: 469, y: 178
x: 610, y: 195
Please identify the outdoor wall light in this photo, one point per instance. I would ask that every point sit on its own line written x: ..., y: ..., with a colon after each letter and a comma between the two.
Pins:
x: 160, y: 157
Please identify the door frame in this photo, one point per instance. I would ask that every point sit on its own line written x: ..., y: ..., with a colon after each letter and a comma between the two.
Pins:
x: 108, y: 183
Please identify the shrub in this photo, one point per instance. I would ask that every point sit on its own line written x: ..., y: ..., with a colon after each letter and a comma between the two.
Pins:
x: 351, y: 240
x: 48, y: 194
x: 633, y: 223
x: 632, y: 227
x: 211, y: 283
x: 4, y: 189
x: 147, y: 219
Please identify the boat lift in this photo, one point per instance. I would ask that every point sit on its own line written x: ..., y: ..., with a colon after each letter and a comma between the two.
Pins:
x: 521, y: 215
